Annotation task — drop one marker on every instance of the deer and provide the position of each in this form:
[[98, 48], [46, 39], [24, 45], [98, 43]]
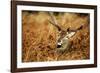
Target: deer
[[63, 42]]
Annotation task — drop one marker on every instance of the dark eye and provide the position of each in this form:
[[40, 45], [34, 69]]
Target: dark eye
[[58, 46]]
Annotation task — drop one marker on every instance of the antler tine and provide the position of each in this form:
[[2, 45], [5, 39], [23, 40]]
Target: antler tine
[[53, 18], [74, 30], [54, 21]]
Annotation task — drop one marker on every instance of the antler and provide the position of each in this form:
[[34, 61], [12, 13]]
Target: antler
[[54, 21]]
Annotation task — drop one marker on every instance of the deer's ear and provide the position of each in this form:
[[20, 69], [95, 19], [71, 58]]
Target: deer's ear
[[68, 29]]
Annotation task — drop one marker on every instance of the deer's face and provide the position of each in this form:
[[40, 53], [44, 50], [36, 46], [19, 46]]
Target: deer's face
[[64, 43]]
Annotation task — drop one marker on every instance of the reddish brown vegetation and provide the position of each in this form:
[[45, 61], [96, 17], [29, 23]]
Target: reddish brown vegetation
[[40, 37]]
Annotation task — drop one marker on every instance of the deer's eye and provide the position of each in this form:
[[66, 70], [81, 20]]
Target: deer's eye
[[58, 46]]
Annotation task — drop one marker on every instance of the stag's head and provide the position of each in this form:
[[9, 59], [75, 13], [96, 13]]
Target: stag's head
[[63, 42]]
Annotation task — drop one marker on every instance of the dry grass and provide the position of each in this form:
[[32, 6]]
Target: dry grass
[[40, 37]]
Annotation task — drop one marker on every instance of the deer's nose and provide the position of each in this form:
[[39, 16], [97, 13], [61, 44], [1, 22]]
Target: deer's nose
[[58, 46]]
